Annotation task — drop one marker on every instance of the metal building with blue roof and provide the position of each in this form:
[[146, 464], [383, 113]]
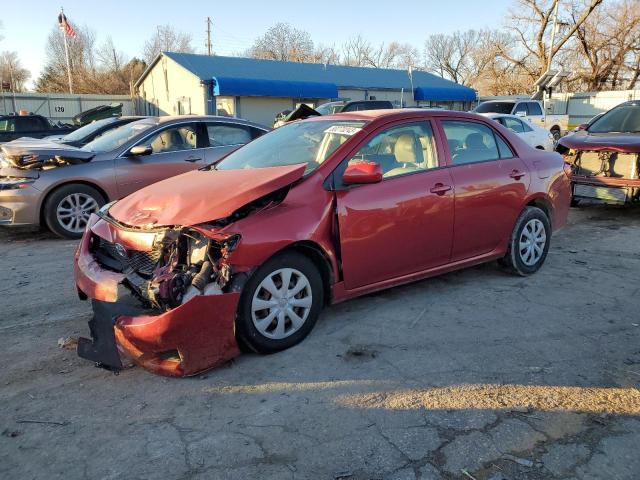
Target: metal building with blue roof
[[182, 83]]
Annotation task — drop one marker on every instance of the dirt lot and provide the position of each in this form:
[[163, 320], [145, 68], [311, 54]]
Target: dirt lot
[[476, 371]]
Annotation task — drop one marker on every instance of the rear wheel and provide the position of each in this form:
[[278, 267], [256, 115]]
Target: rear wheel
[[67, 209], [529, 242], [280, 303]]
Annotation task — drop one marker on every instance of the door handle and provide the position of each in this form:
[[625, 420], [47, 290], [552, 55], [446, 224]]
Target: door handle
[[192, 159], [517, 174], [440, 189]]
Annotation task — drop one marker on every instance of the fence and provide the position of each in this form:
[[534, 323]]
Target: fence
[[61, 107]]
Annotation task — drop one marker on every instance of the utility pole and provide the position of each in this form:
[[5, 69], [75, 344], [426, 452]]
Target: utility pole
[[209, 22], [553, 34]]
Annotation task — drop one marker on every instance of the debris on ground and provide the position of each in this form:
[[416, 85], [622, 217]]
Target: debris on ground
[[520, 461], [68, 343]]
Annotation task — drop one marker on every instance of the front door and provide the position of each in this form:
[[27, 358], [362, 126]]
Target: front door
[[490, 184], [174, 150], [403, 224]]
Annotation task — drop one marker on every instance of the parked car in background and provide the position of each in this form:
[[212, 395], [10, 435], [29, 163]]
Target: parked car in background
[[584, 126], [89, 132], [531, 110], [605, 156], [97, 113], [534, 135], [61, 186], [317, 211], [34, 126], [330, 108]]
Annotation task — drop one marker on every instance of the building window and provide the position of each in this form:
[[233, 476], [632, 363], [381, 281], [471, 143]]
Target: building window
[[226, 106]]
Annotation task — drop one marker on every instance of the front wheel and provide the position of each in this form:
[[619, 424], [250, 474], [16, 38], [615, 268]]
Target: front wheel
[[280, 303], [529, 242], [67, 210]]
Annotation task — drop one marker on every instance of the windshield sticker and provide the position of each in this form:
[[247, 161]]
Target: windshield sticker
[[343, 130]]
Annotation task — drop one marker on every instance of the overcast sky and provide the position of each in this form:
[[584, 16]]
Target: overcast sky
[[26, 23]]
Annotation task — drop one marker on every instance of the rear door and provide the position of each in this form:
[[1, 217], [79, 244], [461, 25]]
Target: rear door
[[176, 149], [490, 187], [403, 224]]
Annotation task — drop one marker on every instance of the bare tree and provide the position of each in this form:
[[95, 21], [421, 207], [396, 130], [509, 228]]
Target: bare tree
[[11, 71], [531, 22], [166, 39], [356, 52], [608, 48], [284, 43]]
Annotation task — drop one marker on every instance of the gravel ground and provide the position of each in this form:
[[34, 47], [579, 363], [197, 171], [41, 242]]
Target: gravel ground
[[474, 374]]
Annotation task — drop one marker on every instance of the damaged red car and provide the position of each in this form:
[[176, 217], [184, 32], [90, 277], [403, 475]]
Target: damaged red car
[[605, 157], [247, 252]]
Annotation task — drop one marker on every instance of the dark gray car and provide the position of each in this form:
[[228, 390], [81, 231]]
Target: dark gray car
[[60, 186]]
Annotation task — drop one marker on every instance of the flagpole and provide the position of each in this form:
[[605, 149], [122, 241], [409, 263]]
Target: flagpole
[[66, 53]]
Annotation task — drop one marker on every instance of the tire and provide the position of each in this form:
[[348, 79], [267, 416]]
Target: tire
[[528, 259], [58, 211], [556, 135], [253, 326]]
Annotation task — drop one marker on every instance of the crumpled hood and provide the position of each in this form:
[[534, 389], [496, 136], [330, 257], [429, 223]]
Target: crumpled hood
[[201, 195], [618, 142], [40, 151]]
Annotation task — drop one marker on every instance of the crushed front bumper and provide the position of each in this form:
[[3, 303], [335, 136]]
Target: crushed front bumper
[[186, 340]]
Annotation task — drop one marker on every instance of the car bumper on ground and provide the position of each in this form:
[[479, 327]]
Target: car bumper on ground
[[186, 340], [20, 206]]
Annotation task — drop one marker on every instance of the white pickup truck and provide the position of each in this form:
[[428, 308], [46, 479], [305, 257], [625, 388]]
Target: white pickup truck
[[531, 110]]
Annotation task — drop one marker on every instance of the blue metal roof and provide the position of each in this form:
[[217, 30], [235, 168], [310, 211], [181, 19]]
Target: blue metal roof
[[253, 87], [209, 67], [459, 93]]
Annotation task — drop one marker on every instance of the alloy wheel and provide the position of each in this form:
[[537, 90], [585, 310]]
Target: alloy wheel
[[532, 241], [74, 210], [281, 303]]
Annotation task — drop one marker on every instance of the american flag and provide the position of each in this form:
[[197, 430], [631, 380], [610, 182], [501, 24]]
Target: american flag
[[65, 26]]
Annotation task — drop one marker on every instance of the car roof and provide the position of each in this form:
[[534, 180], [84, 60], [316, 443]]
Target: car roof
[[389, 115], [176, 118]]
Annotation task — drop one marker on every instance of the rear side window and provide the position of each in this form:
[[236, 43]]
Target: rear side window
[[470, 142], [221, 135], [8, 125], [29, 124], [534, 108], [513, 124], [504, 149]]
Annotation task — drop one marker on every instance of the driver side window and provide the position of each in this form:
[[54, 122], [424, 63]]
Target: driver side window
[[401, 150], [174, 139]]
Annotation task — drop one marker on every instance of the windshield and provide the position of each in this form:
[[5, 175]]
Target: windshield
[[495, 107], [624, 119], [83, 132], [118, 137], [300, 142]]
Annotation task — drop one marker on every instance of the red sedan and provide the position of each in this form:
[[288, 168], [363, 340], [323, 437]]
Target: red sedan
[[247, 252]]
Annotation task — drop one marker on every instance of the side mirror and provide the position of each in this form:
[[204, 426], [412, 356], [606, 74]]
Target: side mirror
[[583, 126], [140, 150], [361, 173]]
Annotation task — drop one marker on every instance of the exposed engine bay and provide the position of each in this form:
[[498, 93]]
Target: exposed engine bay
[[605, 165], [42, 157], [183, 263]]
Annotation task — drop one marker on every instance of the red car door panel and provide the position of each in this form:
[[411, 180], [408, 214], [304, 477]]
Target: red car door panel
[[403, 224], [490, 188], [395, 228]]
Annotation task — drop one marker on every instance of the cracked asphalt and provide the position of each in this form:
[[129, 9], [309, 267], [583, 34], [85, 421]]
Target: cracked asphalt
[[472, 375]]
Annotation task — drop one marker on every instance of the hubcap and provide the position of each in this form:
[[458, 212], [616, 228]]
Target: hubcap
[[532, 241], [281, 303], [74, 210]]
